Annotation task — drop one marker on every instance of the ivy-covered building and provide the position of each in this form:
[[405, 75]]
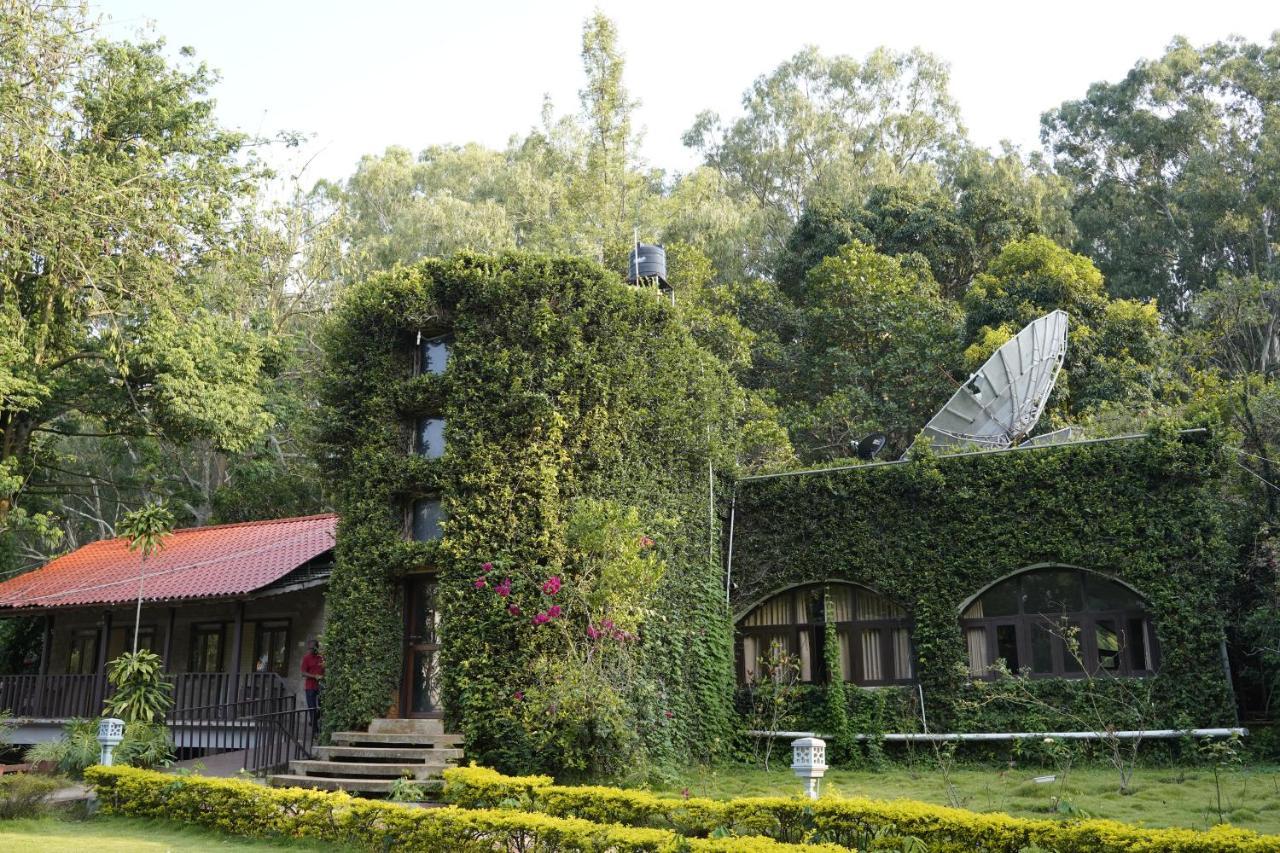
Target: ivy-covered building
[[471, 404]]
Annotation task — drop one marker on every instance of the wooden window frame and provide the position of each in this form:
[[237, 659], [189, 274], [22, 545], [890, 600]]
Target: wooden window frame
[[261, 627], [1085, 620], [408, 517], [206, 629], [94, 637], [817, 631]]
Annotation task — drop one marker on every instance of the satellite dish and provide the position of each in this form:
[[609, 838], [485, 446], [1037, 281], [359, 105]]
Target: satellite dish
[[871, 445], [999, 405]]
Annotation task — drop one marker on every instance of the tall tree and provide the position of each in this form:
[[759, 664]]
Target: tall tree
[[823, 129], [117, 190], [1176, 170]]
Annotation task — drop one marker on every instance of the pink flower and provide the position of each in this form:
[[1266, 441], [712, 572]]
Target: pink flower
[[514, 610], [668, 714], [486, 567], [592, 632], [480, 583], [541, 619], [518, 696], [553, 612], [552, 586], [646, 542], [503, 589], [606, 625]]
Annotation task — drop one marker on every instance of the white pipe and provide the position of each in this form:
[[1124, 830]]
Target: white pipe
[[917, 737]]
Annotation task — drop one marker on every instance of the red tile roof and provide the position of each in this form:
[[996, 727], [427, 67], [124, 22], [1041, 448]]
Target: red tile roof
[[196, 562]]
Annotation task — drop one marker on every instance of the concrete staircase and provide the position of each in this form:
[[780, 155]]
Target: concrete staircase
[[371, 762]]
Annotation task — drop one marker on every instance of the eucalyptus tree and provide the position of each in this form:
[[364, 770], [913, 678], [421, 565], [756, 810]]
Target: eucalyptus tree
[[821, 129], [1175, 169]]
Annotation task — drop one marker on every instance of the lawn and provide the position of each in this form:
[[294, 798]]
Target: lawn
[[1161, 796], [127, 835]]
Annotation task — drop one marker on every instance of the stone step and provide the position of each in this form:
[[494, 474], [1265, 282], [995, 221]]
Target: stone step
[[367, 785], [353, 768], [412, 740], [389, 753], [407, 727]]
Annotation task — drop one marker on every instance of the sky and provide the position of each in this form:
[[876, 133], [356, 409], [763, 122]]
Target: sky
[[360, 76]]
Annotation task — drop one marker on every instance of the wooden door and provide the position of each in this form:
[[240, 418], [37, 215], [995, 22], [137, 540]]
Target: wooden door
[[420, 685]]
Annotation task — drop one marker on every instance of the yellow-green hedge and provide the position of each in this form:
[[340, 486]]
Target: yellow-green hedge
[[237, 807], [849, 822]]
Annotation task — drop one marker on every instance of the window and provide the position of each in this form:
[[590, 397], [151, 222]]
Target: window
[[874, 634], [428, 437], [206, 648], [271, 647], [83, 659], [424, 520], [122, 640], [1059, 621], [432, 356]]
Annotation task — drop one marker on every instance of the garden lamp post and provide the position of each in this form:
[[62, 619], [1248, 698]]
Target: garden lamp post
[[809, 762], [110, 733]]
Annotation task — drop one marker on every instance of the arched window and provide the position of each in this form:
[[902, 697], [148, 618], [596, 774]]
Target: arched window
[[873, 632], [1059, 621]]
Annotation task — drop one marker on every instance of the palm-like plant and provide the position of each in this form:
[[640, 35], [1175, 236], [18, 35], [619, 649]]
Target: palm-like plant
[[145, 528], [142, 695]]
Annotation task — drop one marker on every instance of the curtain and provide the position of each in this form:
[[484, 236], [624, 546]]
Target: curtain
[[976, 640]]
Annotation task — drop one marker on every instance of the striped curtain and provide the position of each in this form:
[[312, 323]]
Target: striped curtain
[[976, 640]]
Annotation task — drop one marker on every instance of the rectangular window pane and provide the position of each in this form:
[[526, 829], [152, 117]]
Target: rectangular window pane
[[1137, 642], [433, 356], [427, 515], [1041, 649], [1007, 646], [430, 437], [902, 668], [871, 656], [1108, 642]]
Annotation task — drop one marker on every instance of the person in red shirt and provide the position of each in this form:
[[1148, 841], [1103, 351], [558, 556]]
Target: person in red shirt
[[313, 669]]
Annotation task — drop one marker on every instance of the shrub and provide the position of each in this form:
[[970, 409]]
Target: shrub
[[855, 823], [144, 745], [25, 794], [142, 694], [243, 808]]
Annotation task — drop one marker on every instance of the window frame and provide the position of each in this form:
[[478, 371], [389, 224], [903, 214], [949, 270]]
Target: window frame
[[93, 636], [855, 628], [1025, 624], [445, 340], [409, 515], [200, 630], [262, 627]]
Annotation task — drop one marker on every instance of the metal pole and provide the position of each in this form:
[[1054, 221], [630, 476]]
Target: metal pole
[[728, 572]]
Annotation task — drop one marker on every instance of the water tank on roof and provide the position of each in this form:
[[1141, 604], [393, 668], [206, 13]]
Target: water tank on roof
[[647, 263]]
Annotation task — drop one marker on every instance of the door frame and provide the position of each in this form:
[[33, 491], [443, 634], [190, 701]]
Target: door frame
[[409, 647]]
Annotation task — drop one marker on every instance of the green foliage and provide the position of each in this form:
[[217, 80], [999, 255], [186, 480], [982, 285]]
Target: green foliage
[[119, 187], [145, 745], [142, 694], [1116, 347], [937, 530], [146, 528], [243, 808], [25, 795], [579, 415], [1156, 160], [875, 340], [852, 822]]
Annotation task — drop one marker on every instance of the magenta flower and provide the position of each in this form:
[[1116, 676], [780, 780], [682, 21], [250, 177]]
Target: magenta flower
[[552, 586], [481, 583], [553, 612], [486, 567], [668, 714], [541, 619], [514, 610], [518, 696], [503, 589], [592, 632]]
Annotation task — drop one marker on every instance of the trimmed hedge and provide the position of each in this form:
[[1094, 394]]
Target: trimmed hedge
[[850, 822], [236, 807]]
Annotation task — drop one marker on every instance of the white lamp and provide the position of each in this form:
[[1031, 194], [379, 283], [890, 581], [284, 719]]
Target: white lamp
[[809, 762], [110, 733]]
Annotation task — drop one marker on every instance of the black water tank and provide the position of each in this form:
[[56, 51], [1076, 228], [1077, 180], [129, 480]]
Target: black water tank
[[647, 261]]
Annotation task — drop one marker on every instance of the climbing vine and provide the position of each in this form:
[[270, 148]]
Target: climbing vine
[[563, 386], [934, 531]]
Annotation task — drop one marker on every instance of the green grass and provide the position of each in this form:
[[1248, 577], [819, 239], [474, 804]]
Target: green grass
[[1161, 796], [127, 835]]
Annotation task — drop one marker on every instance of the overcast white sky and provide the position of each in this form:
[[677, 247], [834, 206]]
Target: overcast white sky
[[364, 75]]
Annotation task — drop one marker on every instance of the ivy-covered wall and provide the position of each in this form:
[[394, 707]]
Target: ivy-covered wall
[[562, 383], [934, 531]]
